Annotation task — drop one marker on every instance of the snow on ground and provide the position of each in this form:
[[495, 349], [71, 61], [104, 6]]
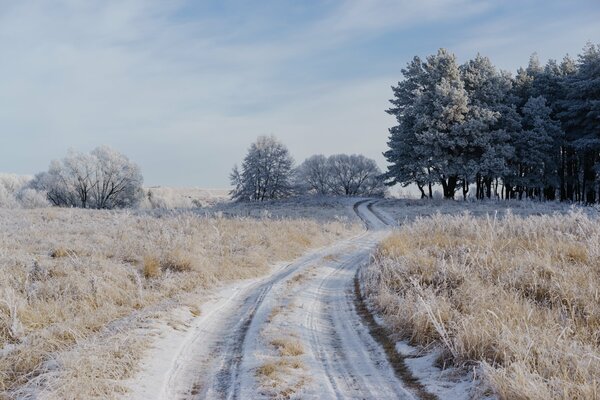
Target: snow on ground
[[165, 370]]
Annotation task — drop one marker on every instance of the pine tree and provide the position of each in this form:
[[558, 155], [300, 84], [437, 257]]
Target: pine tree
[[410, 161], [581, 120], [536, 134], [536, 150], [492, 116]]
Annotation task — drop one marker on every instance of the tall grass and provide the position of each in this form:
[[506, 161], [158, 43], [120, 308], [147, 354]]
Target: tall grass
[[74, 283], [517, 297]]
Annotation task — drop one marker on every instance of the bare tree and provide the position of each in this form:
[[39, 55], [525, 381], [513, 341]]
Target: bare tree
[[102, 179], [355, 175], [266, 172], [341, 174], [313, 175]]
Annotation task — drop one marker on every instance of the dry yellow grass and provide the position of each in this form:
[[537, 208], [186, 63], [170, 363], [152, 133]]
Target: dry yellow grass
[[151, 268], [59, 252], [279, 379], [519, 297], [268, 370], [288, 347], [67, 317]]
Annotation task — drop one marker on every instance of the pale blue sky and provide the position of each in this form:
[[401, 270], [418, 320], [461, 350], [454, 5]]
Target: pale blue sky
[[183, 87]]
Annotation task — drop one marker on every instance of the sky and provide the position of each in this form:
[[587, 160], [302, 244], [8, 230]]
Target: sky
[[183, 87]]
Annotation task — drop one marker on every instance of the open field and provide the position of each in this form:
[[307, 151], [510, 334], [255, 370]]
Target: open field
[[320, 208], [102, 304], [189, 197], [77, 286], [514, 298]]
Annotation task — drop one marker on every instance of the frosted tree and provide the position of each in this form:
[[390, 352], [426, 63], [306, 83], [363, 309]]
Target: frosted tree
[[354, 175], [536, 148], [491, 125], [535, 135], [430, 105], [313, 175], [117, 182], [266, 172], [102, 179], [525, 82], [410, 161], [581, 119], [341, 175]]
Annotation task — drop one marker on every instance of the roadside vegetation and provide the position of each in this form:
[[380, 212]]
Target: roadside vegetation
[[77, 285], [516, 298]]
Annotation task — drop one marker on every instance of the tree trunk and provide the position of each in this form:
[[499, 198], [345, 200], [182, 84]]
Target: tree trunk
[[562, 172], [488, 187], [423, 195], [450, 187]]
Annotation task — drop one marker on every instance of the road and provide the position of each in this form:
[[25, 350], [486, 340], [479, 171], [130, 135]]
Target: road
[[239, 349]]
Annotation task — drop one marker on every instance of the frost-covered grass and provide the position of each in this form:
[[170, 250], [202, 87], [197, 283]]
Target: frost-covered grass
[[321, 208], [519, 297], [180, 198], [76, 286], [406, 210]]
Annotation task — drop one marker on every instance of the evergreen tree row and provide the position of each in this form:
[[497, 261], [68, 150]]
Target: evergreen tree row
[[474, 127]]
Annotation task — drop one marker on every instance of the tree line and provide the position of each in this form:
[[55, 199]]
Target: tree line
[[473, 127], [267, 172], [107, 179]]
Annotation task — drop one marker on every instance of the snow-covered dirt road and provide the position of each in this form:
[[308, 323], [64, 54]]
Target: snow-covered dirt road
[[294, 334]]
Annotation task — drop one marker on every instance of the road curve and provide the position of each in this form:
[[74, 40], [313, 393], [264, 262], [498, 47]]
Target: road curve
[[311, 300]]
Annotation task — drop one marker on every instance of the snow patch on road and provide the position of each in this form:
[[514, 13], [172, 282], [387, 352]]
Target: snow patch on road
[[169, 369]]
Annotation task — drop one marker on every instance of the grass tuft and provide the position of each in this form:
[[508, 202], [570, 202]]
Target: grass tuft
[[151, 267], [288, 347], [60, 252]]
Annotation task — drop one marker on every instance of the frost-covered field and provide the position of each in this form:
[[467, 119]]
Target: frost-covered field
[[406, 210], [77, 287], [84, 294], [321, 208], [187, 197], [515, 298]]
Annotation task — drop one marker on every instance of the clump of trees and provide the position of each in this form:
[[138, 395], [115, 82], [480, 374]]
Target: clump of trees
[[267, 173], [533, 135], [16, 193], [102, 179], [341, 175]]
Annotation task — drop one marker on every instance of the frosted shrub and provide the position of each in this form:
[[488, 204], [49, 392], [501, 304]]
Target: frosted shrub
[[7, 199], [31, 198]]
